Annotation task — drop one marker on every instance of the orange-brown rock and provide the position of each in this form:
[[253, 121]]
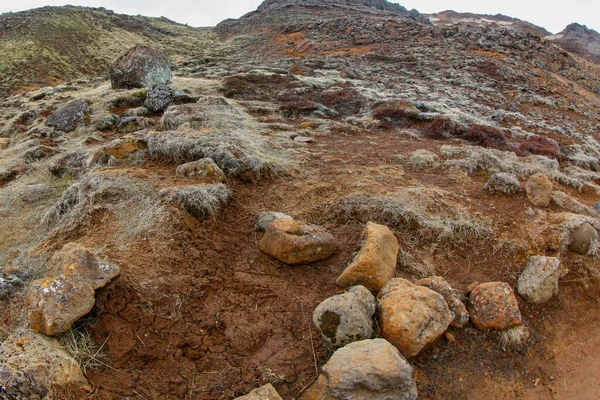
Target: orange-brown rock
[[4, 142], [411, 317], [494, 306], [204, 169], [319, 390], [295, 242], [539, 190], [119, 149], [78, 264], [375, 264], [55, 303], [266, 392]]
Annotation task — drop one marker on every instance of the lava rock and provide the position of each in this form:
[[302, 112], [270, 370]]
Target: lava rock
[[66, 294], [39, 152], [204, 169], [411, 317], [539, 281], [456, 306], [375, 264], [582, 237], [140, 67], [265, 219], [539, 190], [71, 163], [295, 242], [9, 284], [119, 149], [32, 365], [346, 317], [494, 306], [69, 116], [266, 392], [502, 182], [370, 369], [161, 96], [107, 122]]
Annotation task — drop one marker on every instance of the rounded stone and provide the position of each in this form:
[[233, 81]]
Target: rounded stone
[[582, 237]]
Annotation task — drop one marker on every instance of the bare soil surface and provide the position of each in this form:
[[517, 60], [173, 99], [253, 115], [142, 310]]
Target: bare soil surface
[[200, 313]]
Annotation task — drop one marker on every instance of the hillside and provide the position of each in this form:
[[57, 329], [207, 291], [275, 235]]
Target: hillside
[[48, 45], [579, 39], [326, 199]]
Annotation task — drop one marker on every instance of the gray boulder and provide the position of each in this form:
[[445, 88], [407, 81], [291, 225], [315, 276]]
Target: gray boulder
[[9, 284], [265, 219], [69, 116], [539, 281], [161, 96], [346, 317], [140, 67]]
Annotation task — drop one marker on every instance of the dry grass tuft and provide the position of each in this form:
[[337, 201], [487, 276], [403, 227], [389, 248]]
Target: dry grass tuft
[[425, 212], [201, 202], [514, 337], [81, 346]]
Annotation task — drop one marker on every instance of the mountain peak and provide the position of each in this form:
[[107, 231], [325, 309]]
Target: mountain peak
[[381, 5]]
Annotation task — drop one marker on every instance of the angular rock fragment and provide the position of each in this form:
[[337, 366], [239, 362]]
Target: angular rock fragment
[[411, 317], [456, 306], [346, 317], [375, 264], [140, 67], [266, 392], [69, 116], [33, 365], [494, 306], [67, 292], [539, 190], [539, 281], [295, 242]]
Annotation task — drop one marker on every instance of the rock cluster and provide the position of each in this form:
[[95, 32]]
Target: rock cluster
[[67, 292]]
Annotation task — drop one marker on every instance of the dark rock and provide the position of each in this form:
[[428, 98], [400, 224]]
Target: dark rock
[[68, 117], [107, 122], [140, 67], [9, 284]]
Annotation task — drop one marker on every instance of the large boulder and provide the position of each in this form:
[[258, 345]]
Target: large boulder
[[295, 242], [411, 317], [67, 118], [346, 317], [493, 305], [266, 392], [581, 238], [32, 366], [375, 264], [539, 281], [539, 190], [140, 67], [370, 369], [67, 292], [456, 306]]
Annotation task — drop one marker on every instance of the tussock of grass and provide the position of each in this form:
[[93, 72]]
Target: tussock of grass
[[82, 347], [423, 211], [201, 202], [133, 200], [513, 337]]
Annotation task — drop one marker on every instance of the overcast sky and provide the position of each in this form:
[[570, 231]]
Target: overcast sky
[[552, 15]]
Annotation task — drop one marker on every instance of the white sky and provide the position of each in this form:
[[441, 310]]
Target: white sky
[[552, 15]]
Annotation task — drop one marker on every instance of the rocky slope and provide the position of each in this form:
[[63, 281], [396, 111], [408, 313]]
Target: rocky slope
[[450, 17], [200, 237], [579, 39], [51, 44]]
